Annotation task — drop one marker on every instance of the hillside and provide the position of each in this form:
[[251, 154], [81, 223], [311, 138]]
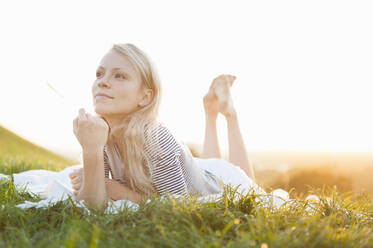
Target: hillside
[[18, 154]]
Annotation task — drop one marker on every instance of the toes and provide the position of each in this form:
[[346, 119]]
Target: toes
[[232, 81], [221, 86]]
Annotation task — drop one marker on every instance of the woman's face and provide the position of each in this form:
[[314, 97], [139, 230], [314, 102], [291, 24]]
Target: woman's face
[[119, 79]]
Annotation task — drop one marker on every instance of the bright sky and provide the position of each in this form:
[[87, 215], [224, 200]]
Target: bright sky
[[304, 68]]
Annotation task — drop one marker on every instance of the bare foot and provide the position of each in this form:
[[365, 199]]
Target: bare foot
[[221, 86], [211, 104]]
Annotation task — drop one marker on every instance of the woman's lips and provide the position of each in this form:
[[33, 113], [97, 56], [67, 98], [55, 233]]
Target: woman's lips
[[102, 97]]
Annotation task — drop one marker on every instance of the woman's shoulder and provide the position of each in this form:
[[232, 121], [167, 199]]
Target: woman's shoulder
[[160, 140], [157, 131]]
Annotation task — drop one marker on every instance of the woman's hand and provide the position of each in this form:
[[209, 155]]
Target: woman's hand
[[117, 191], [76, 178], [114, 189], [90, 131]]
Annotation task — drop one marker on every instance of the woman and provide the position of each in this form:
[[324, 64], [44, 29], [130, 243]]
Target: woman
[[127, 141]]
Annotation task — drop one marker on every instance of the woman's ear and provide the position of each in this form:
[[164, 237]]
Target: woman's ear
[[147, 97]]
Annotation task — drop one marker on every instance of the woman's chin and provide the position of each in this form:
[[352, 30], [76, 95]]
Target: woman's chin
[[101, 110]]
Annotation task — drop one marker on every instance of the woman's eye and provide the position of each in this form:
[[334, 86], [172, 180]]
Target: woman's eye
[[120, 75], [98, 74]]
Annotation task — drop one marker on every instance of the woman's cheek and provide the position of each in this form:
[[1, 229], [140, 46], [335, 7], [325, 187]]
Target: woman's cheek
[[126, 105]]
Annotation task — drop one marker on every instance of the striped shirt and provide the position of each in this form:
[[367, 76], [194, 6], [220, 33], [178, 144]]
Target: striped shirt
[[174, 169]]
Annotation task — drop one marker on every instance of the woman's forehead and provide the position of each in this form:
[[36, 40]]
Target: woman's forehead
[[113, 60]]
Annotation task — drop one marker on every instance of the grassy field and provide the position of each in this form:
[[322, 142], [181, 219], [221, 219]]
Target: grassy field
[[18, 154], [338, 220]]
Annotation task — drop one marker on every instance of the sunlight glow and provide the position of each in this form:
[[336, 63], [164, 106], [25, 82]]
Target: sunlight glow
[[304, 69]]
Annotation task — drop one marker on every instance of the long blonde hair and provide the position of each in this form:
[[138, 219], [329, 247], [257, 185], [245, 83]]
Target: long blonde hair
[[139, 127]]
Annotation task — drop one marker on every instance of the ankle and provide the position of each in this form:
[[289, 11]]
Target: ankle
[[211, 117], [231, 116]]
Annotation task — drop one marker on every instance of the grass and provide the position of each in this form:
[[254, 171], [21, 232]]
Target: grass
[[232, 221], [337, 220], [18, 154]]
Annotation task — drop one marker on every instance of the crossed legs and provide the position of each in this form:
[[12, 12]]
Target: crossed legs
[[219, 99]]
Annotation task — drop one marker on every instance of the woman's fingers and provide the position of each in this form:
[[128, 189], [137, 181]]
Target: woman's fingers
[[82, 114], [75, 124], [77, 186], [75, 172], [76, 179]]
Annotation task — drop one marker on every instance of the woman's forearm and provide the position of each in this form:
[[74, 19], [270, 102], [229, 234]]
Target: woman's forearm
[[117, 191], [93, 187]]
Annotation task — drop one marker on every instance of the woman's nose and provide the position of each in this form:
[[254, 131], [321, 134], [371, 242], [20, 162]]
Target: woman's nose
[[103, 84]]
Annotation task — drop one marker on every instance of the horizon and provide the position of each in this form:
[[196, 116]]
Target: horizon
[[278, 160]]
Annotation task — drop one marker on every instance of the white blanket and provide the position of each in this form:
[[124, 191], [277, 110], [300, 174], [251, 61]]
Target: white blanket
[[55, 186]]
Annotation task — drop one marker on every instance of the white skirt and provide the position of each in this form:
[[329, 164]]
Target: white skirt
[[229, 174]]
